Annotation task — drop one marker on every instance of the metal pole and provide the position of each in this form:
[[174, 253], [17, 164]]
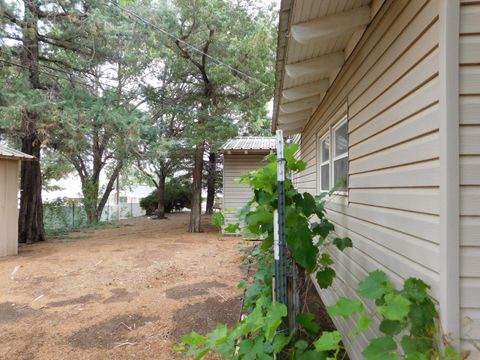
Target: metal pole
[[280, 247], [118, 197]]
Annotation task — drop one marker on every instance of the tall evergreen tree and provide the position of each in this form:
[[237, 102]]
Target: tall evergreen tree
[[33, 32], [236, 88]]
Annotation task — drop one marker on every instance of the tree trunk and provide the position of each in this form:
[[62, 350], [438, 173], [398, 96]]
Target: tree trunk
[[161, 198], [196, 212], [90, 199], [211, 182], [108, 189], [30, 221]]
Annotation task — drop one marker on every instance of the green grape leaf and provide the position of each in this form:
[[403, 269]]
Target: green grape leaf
[[242, 284], [306, 203], [253, 349], [342, 243], [363, 322], [392, 327], [218, 336], [280, 342], [322, 229], [325, 260], [267, 242], [374, 285], [416, 356], [451, 354], [415, 289], [299, 240], [293, 164], [232, 228], [301, 345], [345, 307], [412, 345], [194, 338], [396, 307], [275, 313], [312, 355], [422, 316], [259, 217], [307, 321], [329, 340], [325, 277], [382, 348]]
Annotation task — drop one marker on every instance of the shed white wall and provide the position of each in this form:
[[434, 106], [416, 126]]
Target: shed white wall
[[8, 207], [389, 88], [236, 195], [470, 172]]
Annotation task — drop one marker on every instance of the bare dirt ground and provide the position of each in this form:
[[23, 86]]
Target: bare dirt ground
[[128, 292]]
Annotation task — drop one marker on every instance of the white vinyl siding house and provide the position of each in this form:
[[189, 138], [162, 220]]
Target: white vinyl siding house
[[470, 170], [240, 156], [394, 88]]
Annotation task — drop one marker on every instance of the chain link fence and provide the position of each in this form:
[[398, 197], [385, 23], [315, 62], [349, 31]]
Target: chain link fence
[[69, 215]]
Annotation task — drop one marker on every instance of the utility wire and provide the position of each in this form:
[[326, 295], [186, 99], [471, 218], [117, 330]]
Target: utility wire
[[43, 72], [155, 26], [51, 74]]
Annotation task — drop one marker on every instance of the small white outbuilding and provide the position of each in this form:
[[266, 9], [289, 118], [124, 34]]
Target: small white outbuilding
[[9, 183], [241, 155]]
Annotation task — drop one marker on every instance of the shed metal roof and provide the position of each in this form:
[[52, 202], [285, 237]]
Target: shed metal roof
[[8, 153], [254, 143]]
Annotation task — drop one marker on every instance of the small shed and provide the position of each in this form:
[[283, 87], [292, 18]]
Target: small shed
[[241, 155], [9, 172]]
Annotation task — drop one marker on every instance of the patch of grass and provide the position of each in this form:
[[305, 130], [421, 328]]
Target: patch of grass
[[68, 233]]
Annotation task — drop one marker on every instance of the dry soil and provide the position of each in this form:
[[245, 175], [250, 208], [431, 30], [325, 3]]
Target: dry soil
[[127, 292]]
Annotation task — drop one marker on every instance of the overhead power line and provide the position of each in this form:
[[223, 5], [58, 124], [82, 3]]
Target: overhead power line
[[43, 72], [194, 48]]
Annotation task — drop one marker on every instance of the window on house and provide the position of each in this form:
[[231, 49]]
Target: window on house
[[325, 163], [334, 157], [340, 155]]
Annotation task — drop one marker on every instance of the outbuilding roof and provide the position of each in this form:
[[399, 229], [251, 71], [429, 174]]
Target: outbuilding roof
[[253, 143], [8, 153]]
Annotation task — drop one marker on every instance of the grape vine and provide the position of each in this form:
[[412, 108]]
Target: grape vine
[[407, 318]]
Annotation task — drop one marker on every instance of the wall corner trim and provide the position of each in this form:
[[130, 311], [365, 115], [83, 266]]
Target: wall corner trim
[[449, 227]]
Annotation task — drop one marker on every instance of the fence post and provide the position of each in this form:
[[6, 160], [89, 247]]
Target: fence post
[[280, 248], [73, 215]]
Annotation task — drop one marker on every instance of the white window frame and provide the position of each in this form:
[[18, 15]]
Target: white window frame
[[327, 162], [330, 133], [334, 158]]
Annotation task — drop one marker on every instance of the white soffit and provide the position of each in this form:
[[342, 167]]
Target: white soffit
[[331, 26], [317, 38], [284, 118], [298, 92], [299, 105], [323, 64]]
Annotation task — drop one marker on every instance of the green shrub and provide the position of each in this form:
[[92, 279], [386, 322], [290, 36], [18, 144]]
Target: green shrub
[[177, 196]]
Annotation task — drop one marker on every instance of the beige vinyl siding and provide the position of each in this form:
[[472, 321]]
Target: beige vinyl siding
[[389, 90], [237, 195], [8, 207], [470, 173]]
